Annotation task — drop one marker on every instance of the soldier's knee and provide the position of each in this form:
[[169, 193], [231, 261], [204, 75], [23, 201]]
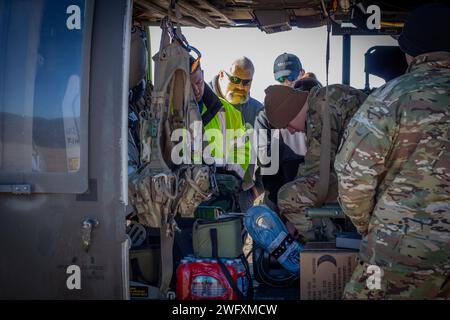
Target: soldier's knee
[[285, 192], [295, 192], [285, 198]]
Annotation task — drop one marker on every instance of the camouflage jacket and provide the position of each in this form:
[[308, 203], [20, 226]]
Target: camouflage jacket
[[343, 102], [394, 166]]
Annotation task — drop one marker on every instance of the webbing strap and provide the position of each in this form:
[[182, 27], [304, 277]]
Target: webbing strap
[[165, 38], [249, 277], [223, 267], [325, 141], [167, 240]]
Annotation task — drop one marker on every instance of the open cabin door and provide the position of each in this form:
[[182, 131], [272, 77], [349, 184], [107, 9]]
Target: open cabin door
[[63, 148]]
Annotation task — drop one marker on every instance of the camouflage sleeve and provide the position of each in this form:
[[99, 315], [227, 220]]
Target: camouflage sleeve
[[361, 159], [342, 101]]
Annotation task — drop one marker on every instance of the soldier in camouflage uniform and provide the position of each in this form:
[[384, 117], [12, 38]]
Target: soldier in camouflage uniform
[[394, 171], [294, 197]]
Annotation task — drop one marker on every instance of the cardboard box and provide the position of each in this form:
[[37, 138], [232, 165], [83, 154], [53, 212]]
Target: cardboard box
[[325, 270]]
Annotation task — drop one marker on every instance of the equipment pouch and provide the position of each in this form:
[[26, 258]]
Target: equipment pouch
[[194, 189], [229, 238]]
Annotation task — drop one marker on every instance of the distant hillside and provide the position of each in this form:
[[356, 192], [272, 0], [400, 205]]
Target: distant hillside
[[47, 133]]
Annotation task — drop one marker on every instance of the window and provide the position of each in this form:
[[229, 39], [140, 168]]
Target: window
[[43, 93], [359, 46]]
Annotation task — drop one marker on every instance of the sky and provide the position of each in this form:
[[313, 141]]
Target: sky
[[219, 47]]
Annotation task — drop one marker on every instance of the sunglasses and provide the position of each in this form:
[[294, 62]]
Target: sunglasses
[[283, 78], [237, 80]]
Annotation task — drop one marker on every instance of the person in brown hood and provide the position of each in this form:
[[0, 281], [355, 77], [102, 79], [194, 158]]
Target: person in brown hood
[[300, 111], [292, 149]]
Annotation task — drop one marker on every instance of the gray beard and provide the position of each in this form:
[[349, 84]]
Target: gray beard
[[244, 100]]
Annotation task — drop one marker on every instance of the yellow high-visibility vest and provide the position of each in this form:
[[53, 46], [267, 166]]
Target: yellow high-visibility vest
[[219, 135]]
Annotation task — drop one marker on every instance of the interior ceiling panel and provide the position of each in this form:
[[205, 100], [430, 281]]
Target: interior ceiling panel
[[238, 13]]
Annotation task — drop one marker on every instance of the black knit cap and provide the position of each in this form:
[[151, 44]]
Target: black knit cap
[[427, 29]]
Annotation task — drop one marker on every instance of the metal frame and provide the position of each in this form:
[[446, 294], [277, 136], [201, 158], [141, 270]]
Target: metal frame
[[346, 51]]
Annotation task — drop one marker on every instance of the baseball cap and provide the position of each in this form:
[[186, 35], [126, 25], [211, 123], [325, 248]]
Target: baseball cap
[[287, 65]]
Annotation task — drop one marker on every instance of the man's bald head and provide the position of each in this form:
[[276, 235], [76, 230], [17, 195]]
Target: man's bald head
[[235, 83], [242, 64]]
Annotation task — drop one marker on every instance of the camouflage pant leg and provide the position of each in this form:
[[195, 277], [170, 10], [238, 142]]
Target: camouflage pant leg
[[293, 199], [296, 196], [398, 285]]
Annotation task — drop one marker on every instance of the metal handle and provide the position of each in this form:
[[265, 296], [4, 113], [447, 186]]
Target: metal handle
[[330, 211], [86, 229]]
